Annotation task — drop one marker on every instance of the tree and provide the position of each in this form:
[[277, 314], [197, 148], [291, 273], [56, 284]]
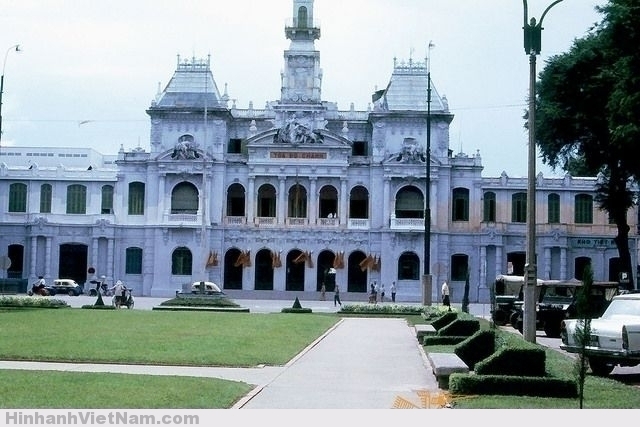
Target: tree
[[588, 113], [583, 330]]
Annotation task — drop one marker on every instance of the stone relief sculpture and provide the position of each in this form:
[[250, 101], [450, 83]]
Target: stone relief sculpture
[[184, 150], [410, 153], [296, 133]]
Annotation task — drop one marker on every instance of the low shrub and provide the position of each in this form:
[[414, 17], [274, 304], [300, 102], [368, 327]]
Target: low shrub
[[98, 307], [296, 308], [382, 309], [200, 301], [460, 327], [466, 384], [32, 302], [444, 319], [442, 340], [522, 361], [477, 347]]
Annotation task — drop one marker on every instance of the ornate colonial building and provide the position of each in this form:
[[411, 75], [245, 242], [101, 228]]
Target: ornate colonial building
[[290, 196]]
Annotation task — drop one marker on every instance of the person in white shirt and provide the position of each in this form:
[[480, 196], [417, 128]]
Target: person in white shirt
[[445, 295]]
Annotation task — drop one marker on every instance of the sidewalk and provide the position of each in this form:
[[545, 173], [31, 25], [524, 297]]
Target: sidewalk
[[361, 363]]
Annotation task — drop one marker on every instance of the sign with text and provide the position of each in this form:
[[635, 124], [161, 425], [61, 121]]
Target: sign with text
[[306, 155]]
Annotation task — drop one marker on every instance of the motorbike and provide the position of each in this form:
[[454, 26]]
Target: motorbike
[[104, 290], [126, 299], [38, 290]]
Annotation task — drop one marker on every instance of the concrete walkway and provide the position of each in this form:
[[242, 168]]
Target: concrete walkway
[[361, 363]]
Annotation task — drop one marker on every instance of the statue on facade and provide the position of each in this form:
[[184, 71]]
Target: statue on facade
[[410, 153], [295, 132], [184, 150]]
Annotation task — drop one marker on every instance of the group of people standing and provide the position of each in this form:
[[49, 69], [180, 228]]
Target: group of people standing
[[376, 290]]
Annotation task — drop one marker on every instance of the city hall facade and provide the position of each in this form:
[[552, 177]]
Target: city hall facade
[[293, 195]]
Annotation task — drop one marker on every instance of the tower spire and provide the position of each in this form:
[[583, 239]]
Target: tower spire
[[302, 76]]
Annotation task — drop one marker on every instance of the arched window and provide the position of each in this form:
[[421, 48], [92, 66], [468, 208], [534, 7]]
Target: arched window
[[235, 200], [18, 197], [553, 208], [76, 199], [409, 203], [297, 201], [408, 266], [328, 201], [184, 199], [302, 17], [45, 198], [519, 207], [267, 201], [489, 207], [181, 262], [107, 199], [581, 263], [136, 198], [359, 203], [584, 209], [459, 267], [460, 205]]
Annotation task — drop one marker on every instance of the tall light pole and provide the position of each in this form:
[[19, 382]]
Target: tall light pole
[[426, 280], [15, 47], [532, 47]]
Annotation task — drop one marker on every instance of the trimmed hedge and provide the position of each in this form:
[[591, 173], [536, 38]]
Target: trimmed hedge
[[477, 347], [442, 340], [444, 320], [529, 362], [512, 385], [460, 327]]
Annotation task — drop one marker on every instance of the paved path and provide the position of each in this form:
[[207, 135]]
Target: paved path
[[361, 364]]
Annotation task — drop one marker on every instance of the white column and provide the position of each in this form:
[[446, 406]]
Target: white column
[[34, 247], [282, 200], [312, 213], [563, 263], [47, 257], [344, 199], [250, 200], [386, 203], [161, 197]]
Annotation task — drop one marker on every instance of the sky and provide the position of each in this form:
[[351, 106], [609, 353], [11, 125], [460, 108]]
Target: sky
[[88, 70]]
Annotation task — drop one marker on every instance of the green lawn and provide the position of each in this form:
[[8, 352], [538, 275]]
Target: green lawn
[[137, 336], [171, 338]]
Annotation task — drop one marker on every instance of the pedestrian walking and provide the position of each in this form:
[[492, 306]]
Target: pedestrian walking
[[445, 295], [336, 296], [382, 292], [393, 291], [323, 291]]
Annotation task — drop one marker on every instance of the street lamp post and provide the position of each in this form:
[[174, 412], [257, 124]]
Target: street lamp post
[[532, 47], [15, 47], [427, 280]]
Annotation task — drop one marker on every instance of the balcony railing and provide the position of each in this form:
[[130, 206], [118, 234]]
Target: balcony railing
[[328, 222], [358, 223], [235, 220], [407, 223], [297, 222], [265, 221]]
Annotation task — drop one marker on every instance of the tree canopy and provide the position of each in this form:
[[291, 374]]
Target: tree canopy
[[588, 112]]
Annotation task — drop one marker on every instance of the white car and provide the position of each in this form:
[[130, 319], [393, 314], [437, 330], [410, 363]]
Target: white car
[[615, 336], [210, 288]]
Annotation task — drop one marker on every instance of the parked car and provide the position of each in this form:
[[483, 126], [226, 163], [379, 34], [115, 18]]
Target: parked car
[[64, 286], [210, 288], [556, 300], [614, 338]]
